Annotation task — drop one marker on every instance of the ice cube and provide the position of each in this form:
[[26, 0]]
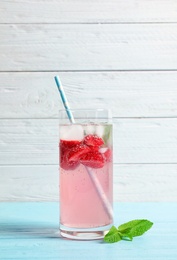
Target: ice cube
[[89, 129], [103, 149], [71, 132], [99, 130]]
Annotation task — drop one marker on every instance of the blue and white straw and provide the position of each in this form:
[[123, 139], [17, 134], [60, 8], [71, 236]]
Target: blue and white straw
[[64, 99]]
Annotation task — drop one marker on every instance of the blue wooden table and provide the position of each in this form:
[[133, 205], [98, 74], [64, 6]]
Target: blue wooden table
[[30, 231]]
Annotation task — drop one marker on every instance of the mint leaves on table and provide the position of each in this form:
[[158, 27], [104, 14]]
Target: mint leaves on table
[[128, 230]]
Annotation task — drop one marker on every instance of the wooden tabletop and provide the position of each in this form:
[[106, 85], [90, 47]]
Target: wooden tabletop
[[30, 231]]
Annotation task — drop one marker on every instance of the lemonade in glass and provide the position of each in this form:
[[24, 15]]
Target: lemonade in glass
[[86, 174]]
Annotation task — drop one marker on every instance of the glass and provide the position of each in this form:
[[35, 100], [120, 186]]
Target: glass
[[86, 174]]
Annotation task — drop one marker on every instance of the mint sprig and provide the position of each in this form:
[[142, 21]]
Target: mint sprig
[[128, 230], [107, 134]]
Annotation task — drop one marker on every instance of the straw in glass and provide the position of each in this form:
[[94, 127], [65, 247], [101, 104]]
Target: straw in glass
[[105, 202], [64, 99]]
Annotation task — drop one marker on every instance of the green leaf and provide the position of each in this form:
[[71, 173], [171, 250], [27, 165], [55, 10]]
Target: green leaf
[[128, 230], [135, 227], [107, 133], [112, 236]]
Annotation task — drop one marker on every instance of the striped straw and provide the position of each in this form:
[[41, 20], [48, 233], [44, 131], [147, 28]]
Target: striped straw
[[104, 200], [64, 99]]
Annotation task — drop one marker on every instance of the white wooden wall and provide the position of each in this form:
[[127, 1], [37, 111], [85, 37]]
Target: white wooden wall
[[120, 54]]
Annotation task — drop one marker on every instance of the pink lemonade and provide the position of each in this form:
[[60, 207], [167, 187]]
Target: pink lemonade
[[85, 148]]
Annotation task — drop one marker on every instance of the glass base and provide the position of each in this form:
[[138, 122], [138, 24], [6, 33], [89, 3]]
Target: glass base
[[84, 233]]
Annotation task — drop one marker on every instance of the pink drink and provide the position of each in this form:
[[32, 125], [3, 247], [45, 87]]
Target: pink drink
[[82, 209], [80, 204]]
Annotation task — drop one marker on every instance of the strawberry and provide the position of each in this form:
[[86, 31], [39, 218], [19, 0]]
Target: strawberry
[[65, 147], [93, 140], [68, 144], [93, 159], [66, 165], [76, 152]]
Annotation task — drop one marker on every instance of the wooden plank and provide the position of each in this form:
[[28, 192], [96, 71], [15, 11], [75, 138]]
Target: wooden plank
[[88, 47], [29, 141], [30, 231], [94, 11], [128, 94], [132, 183], [29, 183], [33, 141]]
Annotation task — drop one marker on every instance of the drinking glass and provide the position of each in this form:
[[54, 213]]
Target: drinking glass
[[86, 173]]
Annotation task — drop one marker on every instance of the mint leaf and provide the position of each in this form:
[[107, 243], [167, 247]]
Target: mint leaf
[[128, 230], [107, 133], [112, 236], [136, 227]]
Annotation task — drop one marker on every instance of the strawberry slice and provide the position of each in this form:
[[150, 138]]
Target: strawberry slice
[[71, 158], [93, 140], [65, 147], [68, 144], [76, 152], [93, 159], [68, 165]]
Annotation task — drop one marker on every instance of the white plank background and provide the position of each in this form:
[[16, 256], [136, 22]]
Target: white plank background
[[128, 94], [48, 47], [92, 11], [122, 54]]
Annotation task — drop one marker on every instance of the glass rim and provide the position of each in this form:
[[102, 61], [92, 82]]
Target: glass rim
[[85, 113]]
